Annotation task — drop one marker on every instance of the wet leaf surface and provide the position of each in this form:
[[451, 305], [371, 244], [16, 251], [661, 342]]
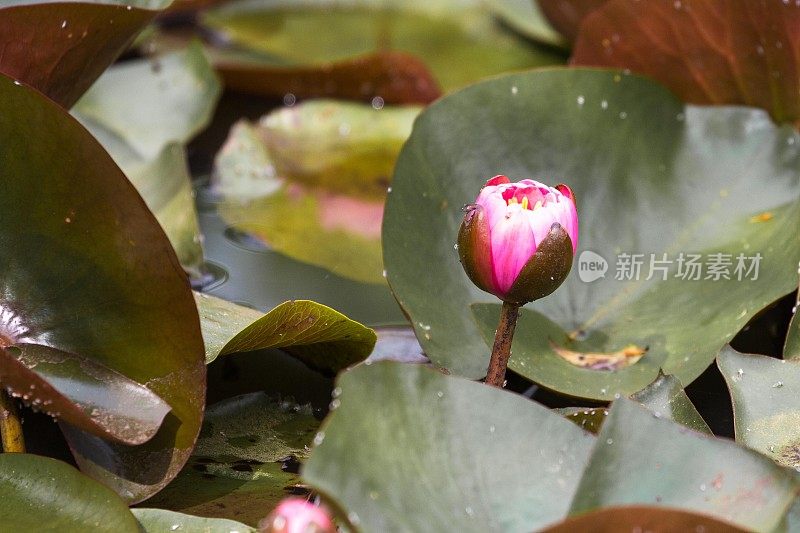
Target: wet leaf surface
[[42, 494], [407, 437], [161, 521], [73, 42], [91, 272], [458, 41], [88, 395], [687, 46], [766, 406], [691, 180], [666, 399], [247, 459], [642, 518], [643, 460], [310, 182], [143, 112], [321, 337]]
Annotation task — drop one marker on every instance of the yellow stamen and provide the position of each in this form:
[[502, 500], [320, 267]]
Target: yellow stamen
[[513, 201], [538, 205], [524, 202]]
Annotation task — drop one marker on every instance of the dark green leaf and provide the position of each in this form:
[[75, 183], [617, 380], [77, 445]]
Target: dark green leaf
[[651, 176], [666, 398], [322, 338], [60, 48], [246, 459], [408, 445], [161, 521], [81, 391], [588, 418], [459, 41], [42, 494], [640, 459], [86, 269]]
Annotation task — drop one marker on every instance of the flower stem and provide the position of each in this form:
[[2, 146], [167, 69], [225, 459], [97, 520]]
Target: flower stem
[[10, 425], [501, 350]]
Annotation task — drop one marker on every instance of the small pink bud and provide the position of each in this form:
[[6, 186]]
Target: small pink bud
[[296, 515], [517, 240]]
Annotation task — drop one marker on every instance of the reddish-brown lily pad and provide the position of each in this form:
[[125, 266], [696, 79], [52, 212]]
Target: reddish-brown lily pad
[[61, 48], [86, 269], [707, 52], [84, 393]]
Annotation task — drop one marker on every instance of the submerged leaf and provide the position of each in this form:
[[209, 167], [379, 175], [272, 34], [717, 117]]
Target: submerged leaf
[[143, 112], [458, 40], [85, 393], [642, 518], [246, 459], [321, 337], [310, 182]]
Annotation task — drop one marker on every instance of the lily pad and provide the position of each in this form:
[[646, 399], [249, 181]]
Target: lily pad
[[142, 112], [310, 182], [463, 456], [82, 392], [765, 403], [90, 272], [322, 338], [687, 46], [73, 42], [642, 518], [643, 460], [458, 40], [42, 494], [246, 459], [691, 179], [566, 15], [666, 398], [161, 521]]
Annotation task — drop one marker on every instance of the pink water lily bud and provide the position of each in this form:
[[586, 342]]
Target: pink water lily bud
[[517, 240], [296, 515]]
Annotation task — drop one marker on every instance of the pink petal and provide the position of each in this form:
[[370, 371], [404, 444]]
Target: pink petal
[[497, 180], [513, 243]]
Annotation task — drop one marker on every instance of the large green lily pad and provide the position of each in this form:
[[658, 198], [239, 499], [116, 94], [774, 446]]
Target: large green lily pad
[[310, 182], [458, 40], [463, 456], [82, 392], [72, 42], [246, 459], [161, 521], [143, 112], [42, 494], [91, 272], [643, 460], [651, 176], [765, 404], [321, 337]]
